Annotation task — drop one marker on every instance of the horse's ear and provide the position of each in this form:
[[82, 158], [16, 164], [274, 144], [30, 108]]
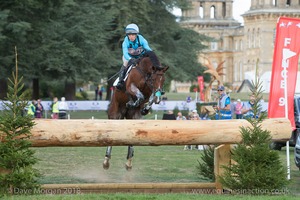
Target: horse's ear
[[165, 68]]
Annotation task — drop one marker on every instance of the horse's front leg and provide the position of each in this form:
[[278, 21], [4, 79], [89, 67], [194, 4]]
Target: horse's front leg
[[139, 95], [107, 157], [148, 105], [128, 164]]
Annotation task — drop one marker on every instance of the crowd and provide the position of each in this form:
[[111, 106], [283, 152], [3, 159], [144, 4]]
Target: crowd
[[58, 109], [225, 109]]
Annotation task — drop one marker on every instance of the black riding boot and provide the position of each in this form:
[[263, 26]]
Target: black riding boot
[[120, 85]]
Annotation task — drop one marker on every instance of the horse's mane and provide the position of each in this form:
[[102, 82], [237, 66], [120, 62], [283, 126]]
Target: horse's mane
[[153, 58]]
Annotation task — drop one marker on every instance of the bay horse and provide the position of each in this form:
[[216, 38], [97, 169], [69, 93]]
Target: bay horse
[[144, 86]]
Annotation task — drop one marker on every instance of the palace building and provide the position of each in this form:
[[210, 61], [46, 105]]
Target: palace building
[[242, 47]]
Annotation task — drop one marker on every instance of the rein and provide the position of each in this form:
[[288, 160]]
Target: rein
[[148, 79]]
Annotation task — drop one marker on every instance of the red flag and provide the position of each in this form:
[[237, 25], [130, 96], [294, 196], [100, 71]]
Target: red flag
[[201, 87], [285, 67]]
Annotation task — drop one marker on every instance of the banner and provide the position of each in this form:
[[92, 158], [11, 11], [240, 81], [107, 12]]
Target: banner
[[284, 69], [201, 87]]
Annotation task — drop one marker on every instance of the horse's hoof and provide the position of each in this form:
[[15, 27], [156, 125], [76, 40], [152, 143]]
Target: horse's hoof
[[144, 111], [128, 168], [128, 164], [106, 163]]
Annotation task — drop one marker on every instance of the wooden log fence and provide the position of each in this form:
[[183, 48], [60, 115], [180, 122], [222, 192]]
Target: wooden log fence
[[47, 133]]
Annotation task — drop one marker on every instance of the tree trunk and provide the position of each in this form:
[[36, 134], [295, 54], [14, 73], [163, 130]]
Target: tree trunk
[[148, 132], [3, 88], [70, 90], [35, 88]]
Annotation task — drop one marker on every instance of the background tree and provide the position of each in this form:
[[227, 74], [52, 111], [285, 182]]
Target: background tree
[[74, 41]]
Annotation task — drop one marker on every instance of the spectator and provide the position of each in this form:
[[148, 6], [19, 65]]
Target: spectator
[[96, 93], [31, 109], [223, 107], [39, 109], [100, 94], [194, 115], [248, 108], [63, 108], [238, 109], [54, 108], [180, 116], [169, 116]]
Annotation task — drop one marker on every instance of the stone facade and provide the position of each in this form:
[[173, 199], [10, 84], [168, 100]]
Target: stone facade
[[243, 47]]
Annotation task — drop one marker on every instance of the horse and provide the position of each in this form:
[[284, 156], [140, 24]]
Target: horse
[[143, 87]]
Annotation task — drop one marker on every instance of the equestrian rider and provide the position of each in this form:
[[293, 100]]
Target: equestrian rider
[[133, 46]]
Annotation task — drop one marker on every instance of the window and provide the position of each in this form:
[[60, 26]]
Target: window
[[253, 38], [249, 38], [236, 72], [258, 37], [212, 12], [274, 2], [213, 45], [241, 45], [241, 71], [288, 2], [201, 14]]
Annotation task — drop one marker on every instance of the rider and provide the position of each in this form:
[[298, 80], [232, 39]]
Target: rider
[[133, 46]]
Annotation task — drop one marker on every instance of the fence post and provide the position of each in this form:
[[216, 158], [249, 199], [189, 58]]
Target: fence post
[[221, 157]]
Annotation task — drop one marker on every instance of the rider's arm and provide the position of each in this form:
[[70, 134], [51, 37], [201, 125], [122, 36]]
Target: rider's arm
[[125, 46], [144, 43]]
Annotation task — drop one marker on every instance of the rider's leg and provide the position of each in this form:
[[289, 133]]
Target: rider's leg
[[122, 73]]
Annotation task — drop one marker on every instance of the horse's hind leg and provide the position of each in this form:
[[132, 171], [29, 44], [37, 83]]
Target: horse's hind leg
[[107, 157], [128, 164]]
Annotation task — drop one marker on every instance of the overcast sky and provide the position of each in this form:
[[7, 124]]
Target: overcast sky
[[240, 7]]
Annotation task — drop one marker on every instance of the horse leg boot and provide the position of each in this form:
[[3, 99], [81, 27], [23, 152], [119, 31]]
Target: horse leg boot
[[128, 164], [120, 85], [107, 157]]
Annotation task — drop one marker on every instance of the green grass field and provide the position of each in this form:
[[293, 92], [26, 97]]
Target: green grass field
[[151, 164]]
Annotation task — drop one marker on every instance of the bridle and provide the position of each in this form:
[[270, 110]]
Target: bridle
[[149, 79]]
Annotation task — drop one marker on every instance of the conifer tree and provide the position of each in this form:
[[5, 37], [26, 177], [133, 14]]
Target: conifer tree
[[205, 167], [256, 169], [16, 156]]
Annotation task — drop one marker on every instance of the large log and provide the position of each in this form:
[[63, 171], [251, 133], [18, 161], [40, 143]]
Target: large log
[[147, 132]]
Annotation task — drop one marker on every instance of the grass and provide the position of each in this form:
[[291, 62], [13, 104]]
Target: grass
[[151, 164]]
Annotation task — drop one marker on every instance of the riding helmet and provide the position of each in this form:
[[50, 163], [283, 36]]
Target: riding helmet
[[132, 28]]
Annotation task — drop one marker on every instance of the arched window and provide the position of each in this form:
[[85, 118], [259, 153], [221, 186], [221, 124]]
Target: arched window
[[212, 12], [201, 12]]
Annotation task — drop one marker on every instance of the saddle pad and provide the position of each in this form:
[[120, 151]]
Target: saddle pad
[[117, 80]]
